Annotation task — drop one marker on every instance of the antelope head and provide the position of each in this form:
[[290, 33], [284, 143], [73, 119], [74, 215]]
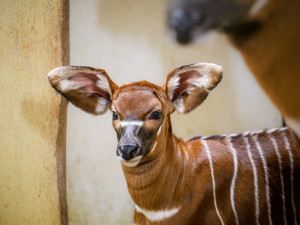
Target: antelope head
[[190, 19], [141, 110]]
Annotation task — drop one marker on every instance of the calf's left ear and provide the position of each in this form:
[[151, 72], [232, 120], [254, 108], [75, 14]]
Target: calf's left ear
[[87, 88], [188, 86]]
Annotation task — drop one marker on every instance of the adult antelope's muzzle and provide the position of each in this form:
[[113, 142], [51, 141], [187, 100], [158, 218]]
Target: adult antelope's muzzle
[[183, 22], [190, 19]]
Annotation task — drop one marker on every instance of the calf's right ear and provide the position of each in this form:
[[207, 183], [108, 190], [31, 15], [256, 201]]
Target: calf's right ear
[[87, 88]]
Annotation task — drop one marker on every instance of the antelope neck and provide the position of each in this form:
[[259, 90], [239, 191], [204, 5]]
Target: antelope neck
[[157, 176]]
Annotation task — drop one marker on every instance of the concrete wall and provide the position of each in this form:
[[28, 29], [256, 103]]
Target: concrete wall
[[128, 39], [33, 40]]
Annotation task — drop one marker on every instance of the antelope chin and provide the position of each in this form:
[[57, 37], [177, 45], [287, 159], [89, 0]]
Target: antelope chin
[[132, 162]]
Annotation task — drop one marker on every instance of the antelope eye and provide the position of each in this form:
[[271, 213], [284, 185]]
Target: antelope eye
[[115, 115], [155, 115]]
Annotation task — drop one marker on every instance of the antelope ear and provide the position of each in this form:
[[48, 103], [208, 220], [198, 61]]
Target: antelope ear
[[188, 86], [87, 88]]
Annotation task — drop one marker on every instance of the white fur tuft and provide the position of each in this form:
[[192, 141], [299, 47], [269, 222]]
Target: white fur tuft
[[179, 105], [66, 85], [101, 106], [172, 85], [103, 83]]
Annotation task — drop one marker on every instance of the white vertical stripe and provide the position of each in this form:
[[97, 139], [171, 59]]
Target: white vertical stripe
[[255, 180], [213, 179], [265, 166], [281, 178], [288, 147], [235, 161]]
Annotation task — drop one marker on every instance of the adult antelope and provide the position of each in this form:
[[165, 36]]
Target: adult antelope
[[248, 178], [266, 32]]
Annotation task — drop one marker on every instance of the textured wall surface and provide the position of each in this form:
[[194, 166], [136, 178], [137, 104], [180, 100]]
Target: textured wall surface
[[30, 112], [129, 40]]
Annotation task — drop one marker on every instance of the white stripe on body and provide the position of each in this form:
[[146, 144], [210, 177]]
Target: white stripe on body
[[265, 167], [255, 180], [157, 215], [213, 179], [233, 179], [281, 178], [288, 147]]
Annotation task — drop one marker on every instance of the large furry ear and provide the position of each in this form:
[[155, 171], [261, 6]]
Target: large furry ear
[[188, 86], [87, 88]]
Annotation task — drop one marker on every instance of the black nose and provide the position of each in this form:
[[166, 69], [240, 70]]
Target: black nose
[[128, 152], [183, 22]]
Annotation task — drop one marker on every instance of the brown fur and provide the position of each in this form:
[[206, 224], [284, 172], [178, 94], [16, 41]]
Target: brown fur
[[272, 54]]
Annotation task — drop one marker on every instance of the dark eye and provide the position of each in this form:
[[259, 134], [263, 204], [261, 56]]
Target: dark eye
[[155, 115], [115, 115]]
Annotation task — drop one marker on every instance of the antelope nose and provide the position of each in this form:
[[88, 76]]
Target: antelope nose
[[183, 22], [128, 152]]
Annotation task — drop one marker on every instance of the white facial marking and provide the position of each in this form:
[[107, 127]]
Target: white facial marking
[[131, 122], [294, 124], [213, 179], [257, 6], [255, 180], [288, 147], [132, 162], [235, 163], [157, 215], [265, 167], [281, 178]]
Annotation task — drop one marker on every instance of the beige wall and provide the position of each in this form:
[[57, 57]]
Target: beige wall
[[128, 40], [31, 44]]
